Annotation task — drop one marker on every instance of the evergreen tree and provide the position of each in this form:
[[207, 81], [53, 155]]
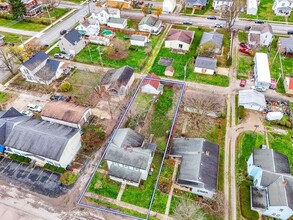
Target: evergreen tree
[[18, 8]]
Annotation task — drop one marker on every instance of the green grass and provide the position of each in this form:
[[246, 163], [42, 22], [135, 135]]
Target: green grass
[[55, 50], [3, 97], [244, 191], [14, 38], [242, 37], [244, 67], [291, 106], [208, 10], [22, 25], [75, 1], [236, 109], [102, 185], [56, 13]]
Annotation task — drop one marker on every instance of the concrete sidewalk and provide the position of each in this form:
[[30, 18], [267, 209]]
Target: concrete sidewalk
[[17, 31]]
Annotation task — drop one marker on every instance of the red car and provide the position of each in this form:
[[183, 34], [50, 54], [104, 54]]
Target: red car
[[243, 45], [242, 82], [245, 50]]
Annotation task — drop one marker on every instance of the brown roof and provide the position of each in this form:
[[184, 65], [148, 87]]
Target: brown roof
[[169, 68], [255, 38], [65, 111], [154, 83], [181, 35], [263, 28]]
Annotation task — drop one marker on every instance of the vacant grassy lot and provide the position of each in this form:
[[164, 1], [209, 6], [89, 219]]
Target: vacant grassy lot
[[56, 13], [14, 38], [245, 66], [3, 97], [21, 25], [208, 10], [242, 37]]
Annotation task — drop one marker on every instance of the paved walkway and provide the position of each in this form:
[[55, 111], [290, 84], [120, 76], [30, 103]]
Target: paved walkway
[[121, 191], [17, 31]]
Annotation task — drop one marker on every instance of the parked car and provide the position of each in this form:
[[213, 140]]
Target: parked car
[[246, 51], [63, 32], [219, 25], [259, 22], [290, 32], [212, 17], [273, 84], [59, 55], [34, 108], [244, 45], [242, 82], [188, 22], [68, 56], [27, 113], [57, 98]]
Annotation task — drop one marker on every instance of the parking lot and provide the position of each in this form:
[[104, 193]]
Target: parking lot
[[35, 179]]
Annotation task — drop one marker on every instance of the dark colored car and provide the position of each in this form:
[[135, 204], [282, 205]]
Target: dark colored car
[[63, 32], [259, 22], [242, 44], [242, 82], [57, 98], [290, 32], [247, 28], [212, 17], [188, 22]]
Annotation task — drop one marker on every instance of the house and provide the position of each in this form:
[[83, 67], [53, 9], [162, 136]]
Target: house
[[272, 190], [119, 23], [282, 7], [129, 157], [261, 70], [89, 27], [40, 69], [251, 7], [286, 46], [117, 81], [169, 6], [72, 42], [252, 99], [169, 71], [120, 4], [103, 14], [222, 4], [66, 113], [99, 40], [199, 165], [25, 136], [138, 40], [288, 85], [33, 7], [196, 4], [260, 35], [213, 38], [179, 39], [205, 65], [152, 85], [150, 24]]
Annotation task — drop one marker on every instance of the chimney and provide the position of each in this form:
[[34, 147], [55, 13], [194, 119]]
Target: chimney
[[285, 183], [207, 153]]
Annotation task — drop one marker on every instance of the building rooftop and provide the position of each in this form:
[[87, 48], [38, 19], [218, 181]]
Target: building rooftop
[[206, 62], [36, 60], [180, 35]]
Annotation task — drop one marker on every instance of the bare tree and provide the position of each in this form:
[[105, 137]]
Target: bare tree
[[145, 10], [217, 204], [231, 13], [207, 49], [118, 49], [188, 211], [33, 47], [7, 61]]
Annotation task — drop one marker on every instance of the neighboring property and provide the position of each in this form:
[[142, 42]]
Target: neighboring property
[[213, 38], [33, 7], [152, 85], [262, 76], [5, 7], [119, 23], [169, 71], [103, 14], [251, 99], [205, 65], [41, 69], [286, 46], [120, 4], [72, 42], [129, 157], [25, 136], [138, 40], [260, 35], [117, 81], [169, 6], [89, 27], [196, 4], [288, 85], [99, 40], [272, 190], [282, 7], [251, 7], [199, 165], [179, 39], [150, 24], [222, 4], [66, 113]]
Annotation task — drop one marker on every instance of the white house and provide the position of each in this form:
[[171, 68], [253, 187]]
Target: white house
[[169, 6], [119, 23], [129, 157], [288, 84], [89, 27], [205, 65], [179, 39], [251, 7], [260, 35], [138, 40], [66, 113], [72, 42], [103, 14], [99, 40], [198, 171], [282, 7], [272, 190], [152, 85], [222, 4], [41, 69], [150, 24], [252, 99], [261, 69]]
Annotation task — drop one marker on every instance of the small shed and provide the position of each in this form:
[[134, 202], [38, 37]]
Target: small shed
[[138, 40], [205, 65], [169, 71], [251, 8], [252, 99], [119, 23], [272, 116]]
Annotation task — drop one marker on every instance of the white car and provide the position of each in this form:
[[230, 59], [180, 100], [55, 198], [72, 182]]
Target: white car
[[219, 25], [34, 108], [27, 113]]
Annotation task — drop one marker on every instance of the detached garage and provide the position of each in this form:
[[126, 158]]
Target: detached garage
[[252, 99]]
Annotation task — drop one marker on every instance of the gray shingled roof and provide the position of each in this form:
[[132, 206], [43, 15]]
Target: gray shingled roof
[[149, 20], [206, 62], [268, 178], [124, 173], [258, 198], [286, 44], [277, 194], [138, 37], [36, 60], [213, 37], [73, 36], [289, 190], [200, 162], [49, 70], [180, 35], [40, 138], [196, 2], [262, 28], [117, 20]]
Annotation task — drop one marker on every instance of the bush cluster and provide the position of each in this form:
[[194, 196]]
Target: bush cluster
[[68, 178], [241, 112], [20, 158], [65, 87], [54, 168], [287, 124]]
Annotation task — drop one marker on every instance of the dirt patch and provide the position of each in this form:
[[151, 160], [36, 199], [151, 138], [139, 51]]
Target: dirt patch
[[164, 61]]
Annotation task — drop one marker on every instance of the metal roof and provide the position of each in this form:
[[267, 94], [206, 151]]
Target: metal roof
[[262, 67], [36, 60], [252, 97], [206, 62]]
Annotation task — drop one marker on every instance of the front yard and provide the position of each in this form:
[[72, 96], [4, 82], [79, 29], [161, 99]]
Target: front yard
[[208, 10], [22, 25], [14, 38]]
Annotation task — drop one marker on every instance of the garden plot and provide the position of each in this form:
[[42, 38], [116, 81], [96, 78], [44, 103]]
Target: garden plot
[[166, 61]]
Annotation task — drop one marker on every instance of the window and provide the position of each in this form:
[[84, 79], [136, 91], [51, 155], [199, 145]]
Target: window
[[278, 215], [180, 45], [273, 214], [281, 210]]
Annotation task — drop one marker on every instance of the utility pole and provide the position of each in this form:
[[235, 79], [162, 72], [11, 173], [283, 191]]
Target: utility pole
[[100, 54], [90, 53], [253, 134], [185, 67]]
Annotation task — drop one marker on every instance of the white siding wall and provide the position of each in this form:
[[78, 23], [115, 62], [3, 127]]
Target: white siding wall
[[169, 6], [175, 44], [149, 89], [275, 212], [203, 192], [115, 25], [138, 43], [145, 27], [252, 106], [67, 47], [201, 70], [266, 39]]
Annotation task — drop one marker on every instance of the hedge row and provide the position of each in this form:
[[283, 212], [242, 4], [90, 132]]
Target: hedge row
[[241, 112], [20, 158], [54, 168]]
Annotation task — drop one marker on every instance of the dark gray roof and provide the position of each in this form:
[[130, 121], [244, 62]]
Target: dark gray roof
[[49, 70], [206, 62], [116, 20], [200, 162], [277, 194], [124, 173], [268, 178], [196, 2], [138, 37], [213, 37], [73, 36], [128, 148], [40, 138], [258, 198], [12, 112], [149, 20], [36, 60], [289, 190], [271, 160], [286, 44]]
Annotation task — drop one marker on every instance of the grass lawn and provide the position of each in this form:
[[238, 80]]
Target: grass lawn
[[102, 185], [180, 60], [244, 191], [22, 25], [75, 1], [244, 67], [242, 37], [55, 50], [14, 38], [3, 97], [208, 10], [56, 13]]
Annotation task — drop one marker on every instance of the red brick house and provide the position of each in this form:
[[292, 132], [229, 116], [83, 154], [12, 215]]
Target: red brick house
[[33, 7]]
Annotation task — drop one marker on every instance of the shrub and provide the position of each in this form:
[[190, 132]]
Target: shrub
[[6, 16], [241, 112], [229, 61], [20, 158], [65, 87], [288, 124], [54, 168], [68, 178]]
